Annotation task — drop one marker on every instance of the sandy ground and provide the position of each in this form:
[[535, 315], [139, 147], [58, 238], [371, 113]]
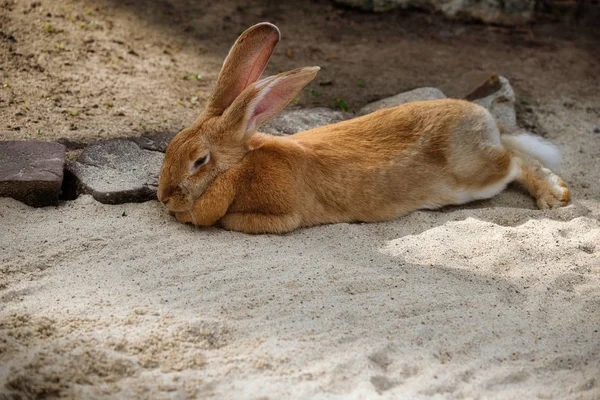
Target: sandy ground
[[494, 300], [122, 302]]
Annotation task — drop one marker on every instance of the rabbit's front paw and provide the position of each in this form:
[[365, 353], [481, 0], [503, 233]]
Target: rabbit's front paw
[[184, 217]]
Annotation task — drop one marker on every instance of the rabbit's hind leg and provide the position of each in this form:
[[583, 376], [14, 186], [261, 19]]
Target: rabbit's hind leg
[[489, 175], [549, 190]]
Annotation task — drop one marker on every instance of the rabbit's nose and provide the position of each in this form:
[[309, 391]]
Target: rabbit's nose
[[163, 196]]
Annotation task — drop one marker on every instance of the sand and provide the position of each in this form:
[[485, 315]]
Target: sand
[[106, 301], [493, 300]]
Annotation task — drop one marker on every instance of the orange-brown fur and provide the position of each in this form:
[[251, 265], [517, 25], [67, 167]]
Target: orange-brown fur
[[372, 168]]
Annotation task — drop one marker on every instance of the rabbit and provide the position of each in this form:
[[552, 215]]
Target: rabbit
[[420, 155]]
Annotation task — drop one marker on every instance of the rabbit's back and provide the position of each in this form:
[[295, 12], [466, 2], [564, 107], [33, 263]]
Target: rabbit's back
[[396, 160], [425, 129]]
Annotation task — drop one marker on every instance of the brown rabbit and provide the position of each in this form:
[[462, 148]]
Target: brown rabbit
[[377, 167]]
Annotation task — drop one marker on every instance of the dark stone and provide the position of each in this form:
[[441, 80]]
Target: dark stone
[[491, 91], [497, 95], [154, 141], [117, 171], [460, 86], [31, 172], [294, 121], [491, 85], [596, 130]]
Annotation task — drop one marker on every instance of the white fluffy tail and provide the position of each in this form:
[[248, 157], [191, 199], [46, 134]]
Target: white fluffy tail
[[536, 147]]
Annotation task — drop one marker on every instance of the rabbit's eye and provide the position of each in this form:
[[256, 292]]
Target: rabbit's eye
[[200, 162]]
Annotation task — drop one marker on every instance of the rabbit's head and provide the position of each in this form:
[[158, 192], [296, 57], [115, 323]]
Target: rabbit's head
[[240, 104]]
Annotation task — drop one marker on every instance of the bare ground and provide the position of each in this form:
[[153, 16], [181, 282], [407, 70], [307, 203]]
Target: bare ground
[[99, 69]]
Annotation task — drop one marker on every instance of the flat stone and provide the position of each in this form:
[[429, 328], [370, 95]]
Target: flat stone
[[117, 171], [294, 121], [426, 93], [32, 172], [154, 141], [497, 95]]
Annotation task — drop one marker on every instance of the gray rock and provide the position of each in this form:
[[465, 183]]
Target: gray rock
[[293, 121], [32, 172], [402, 98], [154, 141], [507, 12], [498, 96], [117, 171]]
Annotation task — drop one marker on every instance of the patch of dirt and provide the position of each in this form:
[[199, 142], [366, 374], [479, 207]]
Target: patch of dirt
[[88, 70]]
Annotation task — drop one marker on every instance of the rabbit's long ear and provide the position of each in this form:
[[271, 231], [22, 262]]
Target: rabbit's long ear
[[243, 66], [265, 99]]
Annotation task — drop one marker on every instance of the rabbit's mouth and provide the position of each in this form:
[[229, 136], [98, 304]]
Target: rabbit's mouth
[[177, 199], [175, 205], [174, 210]]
